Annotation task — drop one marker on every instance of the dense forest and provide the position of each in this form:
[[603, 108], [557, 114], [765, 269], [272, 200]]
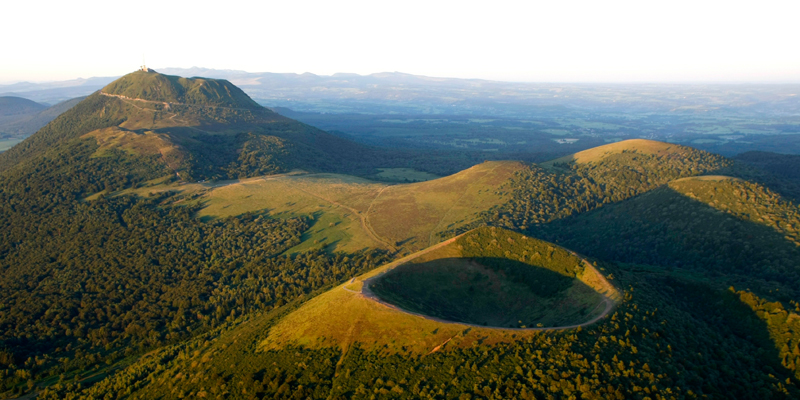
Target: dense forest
[[541, 195], [117, 277], [670, 338]]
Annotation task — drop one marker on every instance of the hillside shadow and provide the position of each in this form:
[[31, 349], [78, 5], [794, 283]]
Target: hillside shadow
[[666, 228], [489, 291], [694, 249], [732, 321], [781, 179], [265, 212]]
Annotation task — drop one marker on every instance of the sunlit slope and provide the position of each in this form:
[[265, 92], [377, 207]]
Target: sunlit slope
[[352, 313], [352, 213], [412, 216], [597, 154], [337, 204]]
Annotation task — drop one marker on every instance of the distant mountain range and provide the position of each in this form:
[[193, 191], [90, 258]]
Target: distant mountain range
[[55, 92], [401, 92], [20, 117]]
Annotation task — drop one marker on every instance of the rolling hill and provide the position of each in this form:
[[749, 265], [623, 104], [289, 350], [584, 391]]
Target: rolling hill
[[351, 213], [10, 106], [15, 115], [16, 128], [670, 335]]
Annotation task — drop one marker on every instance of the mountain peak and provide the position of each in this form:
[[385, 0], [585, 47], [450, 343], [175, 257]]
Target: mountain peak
[[149, 85]]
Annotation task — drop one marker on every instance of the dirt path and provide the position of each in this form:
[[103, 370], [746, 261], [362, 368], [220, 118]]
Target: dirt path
[[368, 294], [164, 159], [363, 219], [366, 224], [607, 301], [376, 198], [130, 100], [439, 347], [167, 105]]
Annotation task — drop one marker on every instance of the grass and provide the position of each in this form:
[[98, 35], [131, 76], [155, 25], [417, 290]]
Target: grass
[[413, 215], [344, 317], [408, 216], [596, 154], [704, 178], [352, 213], [147, 143], [333, 201]]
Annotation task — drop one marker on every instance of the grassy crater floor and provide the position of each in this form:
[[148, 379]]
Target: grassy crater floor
[[500, 280]]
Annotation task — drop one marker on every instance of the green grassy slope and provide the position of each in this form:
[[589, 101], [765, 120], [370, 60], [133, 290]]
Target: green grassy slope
[[351, 213]]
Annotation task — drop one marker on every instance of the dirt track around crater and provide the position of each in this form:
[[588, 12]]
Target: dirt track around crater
[[368, 294]]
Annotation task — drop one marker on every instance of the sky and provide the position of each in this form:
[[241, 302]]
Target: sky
[[531, 41]]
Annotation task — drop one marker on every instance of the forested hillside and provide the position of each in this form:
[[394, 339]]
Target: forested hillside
[[85, 285], [701, 262], [10, 105], [541, 194]]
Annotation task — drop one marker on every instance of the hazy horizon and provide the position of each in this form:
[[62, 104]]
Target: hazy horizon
[[570, 42], [576, 82]]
